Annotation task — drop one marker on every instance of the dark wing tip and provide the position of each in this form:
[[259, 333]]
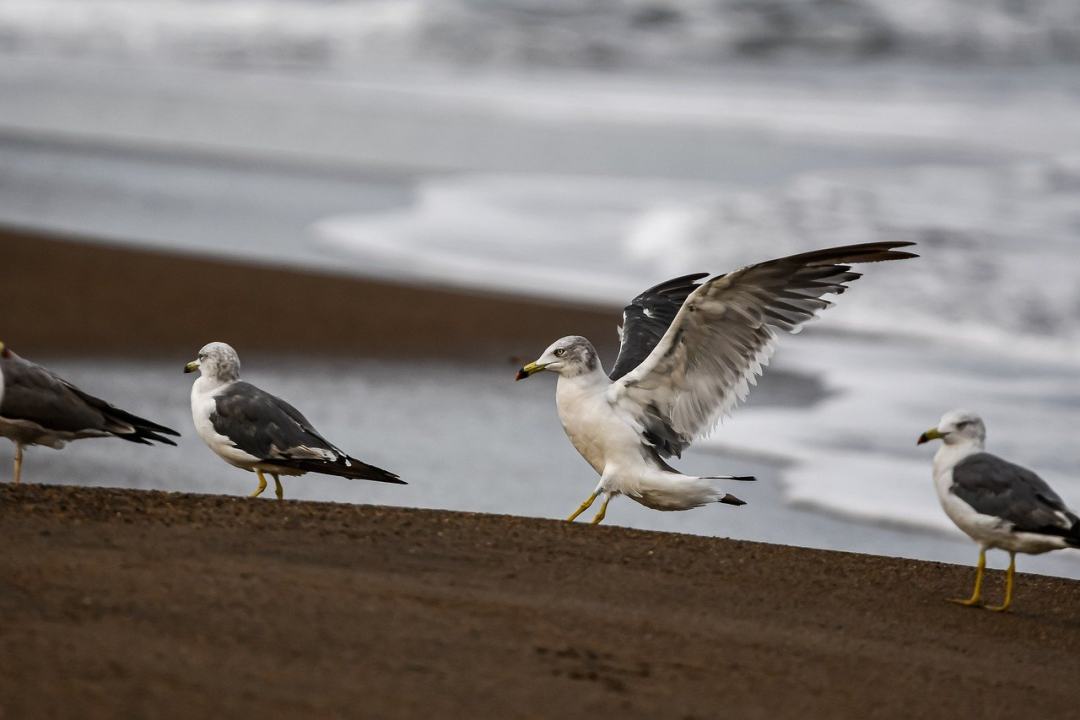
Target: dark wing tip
[[144, 426], [142, 436], [880, 252], [158, 438], [389, 478], [732, 500], [155, 432], [371, 472], [360, 470], [859, 253], [681, 283], [345, 467]]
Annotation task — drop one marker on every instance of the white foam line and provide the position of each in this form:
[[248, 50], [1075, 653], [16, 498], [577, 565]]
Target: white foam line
[[446, 267]]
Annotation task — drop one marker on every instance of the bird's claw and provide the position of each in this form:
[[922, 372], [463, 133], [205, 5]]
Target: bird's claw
[[966, 602]]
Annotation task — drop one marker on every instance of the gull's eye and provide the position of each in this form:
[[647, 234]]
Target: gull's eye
[[962, 425], [560, 352]]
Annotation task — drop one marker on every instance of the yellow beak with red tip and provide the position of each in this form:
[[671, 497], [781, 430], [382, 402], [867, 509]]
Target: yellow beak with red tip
[[931, 434], [530, 369]]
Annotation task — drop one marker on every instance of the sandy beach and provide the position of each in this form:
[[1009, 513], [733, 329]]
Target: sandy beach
[[138, 604]]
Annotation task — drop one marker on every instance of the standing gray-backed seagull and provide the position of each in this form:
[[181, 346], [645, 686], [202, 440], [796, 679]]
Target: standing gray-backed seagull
[[690, 352], [253, 430], [998, 504], [37, 407]]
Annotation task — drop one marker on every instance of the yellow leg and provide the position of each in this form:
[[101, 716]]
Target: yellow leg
[[278, 490], [18, 463], [976, 595], [584, 506], [603, 512], [262, 484], [1009, 579]]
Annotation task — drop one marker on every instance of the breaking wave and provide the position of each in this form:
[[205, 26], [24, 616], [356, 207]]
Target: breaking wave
[[350, 35]]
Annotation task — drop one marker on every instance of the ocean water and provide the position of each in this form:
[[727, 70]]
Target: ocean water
[[586, 160]]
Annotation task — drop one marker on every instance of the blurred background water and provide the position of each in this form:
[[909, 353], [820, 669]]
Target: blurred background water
[[582, 150]]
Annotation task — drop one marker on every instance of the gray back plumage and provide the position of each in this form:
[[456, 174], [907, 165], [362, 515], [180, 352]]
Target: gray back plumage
[[262, 424], [997, 487], [36, 394], [33, 393]]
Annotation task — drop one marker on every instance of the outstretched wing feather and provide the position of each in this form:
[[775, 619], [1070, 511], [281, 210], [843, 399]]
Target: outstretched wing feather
[[723, 336]]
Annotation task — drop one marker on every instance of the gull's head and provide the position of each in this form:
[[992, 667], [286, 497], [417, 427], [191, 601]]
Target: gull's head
[[217, 361], [955, 427], [568, 356]]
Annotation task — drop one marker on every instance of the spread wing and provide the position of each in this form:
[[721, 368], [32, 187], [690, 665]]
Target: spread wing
[[647, 318], [997, 487], [723, 336], [270, 429]]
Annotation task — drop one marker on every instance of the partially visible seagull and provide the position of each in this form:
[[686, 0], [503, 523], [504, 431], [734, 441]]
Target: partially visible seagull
[[253, 430], [691, 348], [998, 504], [38, 407]]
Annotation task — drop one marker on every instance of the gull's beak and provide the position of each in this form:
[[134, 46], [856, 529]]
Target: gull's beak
[[931, 434], [530, 369], [191, 366]]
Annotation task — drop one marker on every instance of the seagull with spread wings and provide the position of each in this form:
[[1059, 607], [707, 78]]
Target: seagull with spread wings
[[38, 407], [253, 430], [996, 503], [691, 349]]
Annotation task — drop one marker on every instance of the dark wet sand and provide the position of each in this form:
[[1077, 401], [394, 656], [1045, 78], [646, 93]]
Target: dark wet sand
[[119, 604], [116, 301]]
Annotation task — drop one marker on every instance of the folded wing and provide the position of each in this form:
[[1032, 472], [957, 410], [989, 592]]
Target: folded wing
[[36, 395], [270, 429], [996, 487]]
